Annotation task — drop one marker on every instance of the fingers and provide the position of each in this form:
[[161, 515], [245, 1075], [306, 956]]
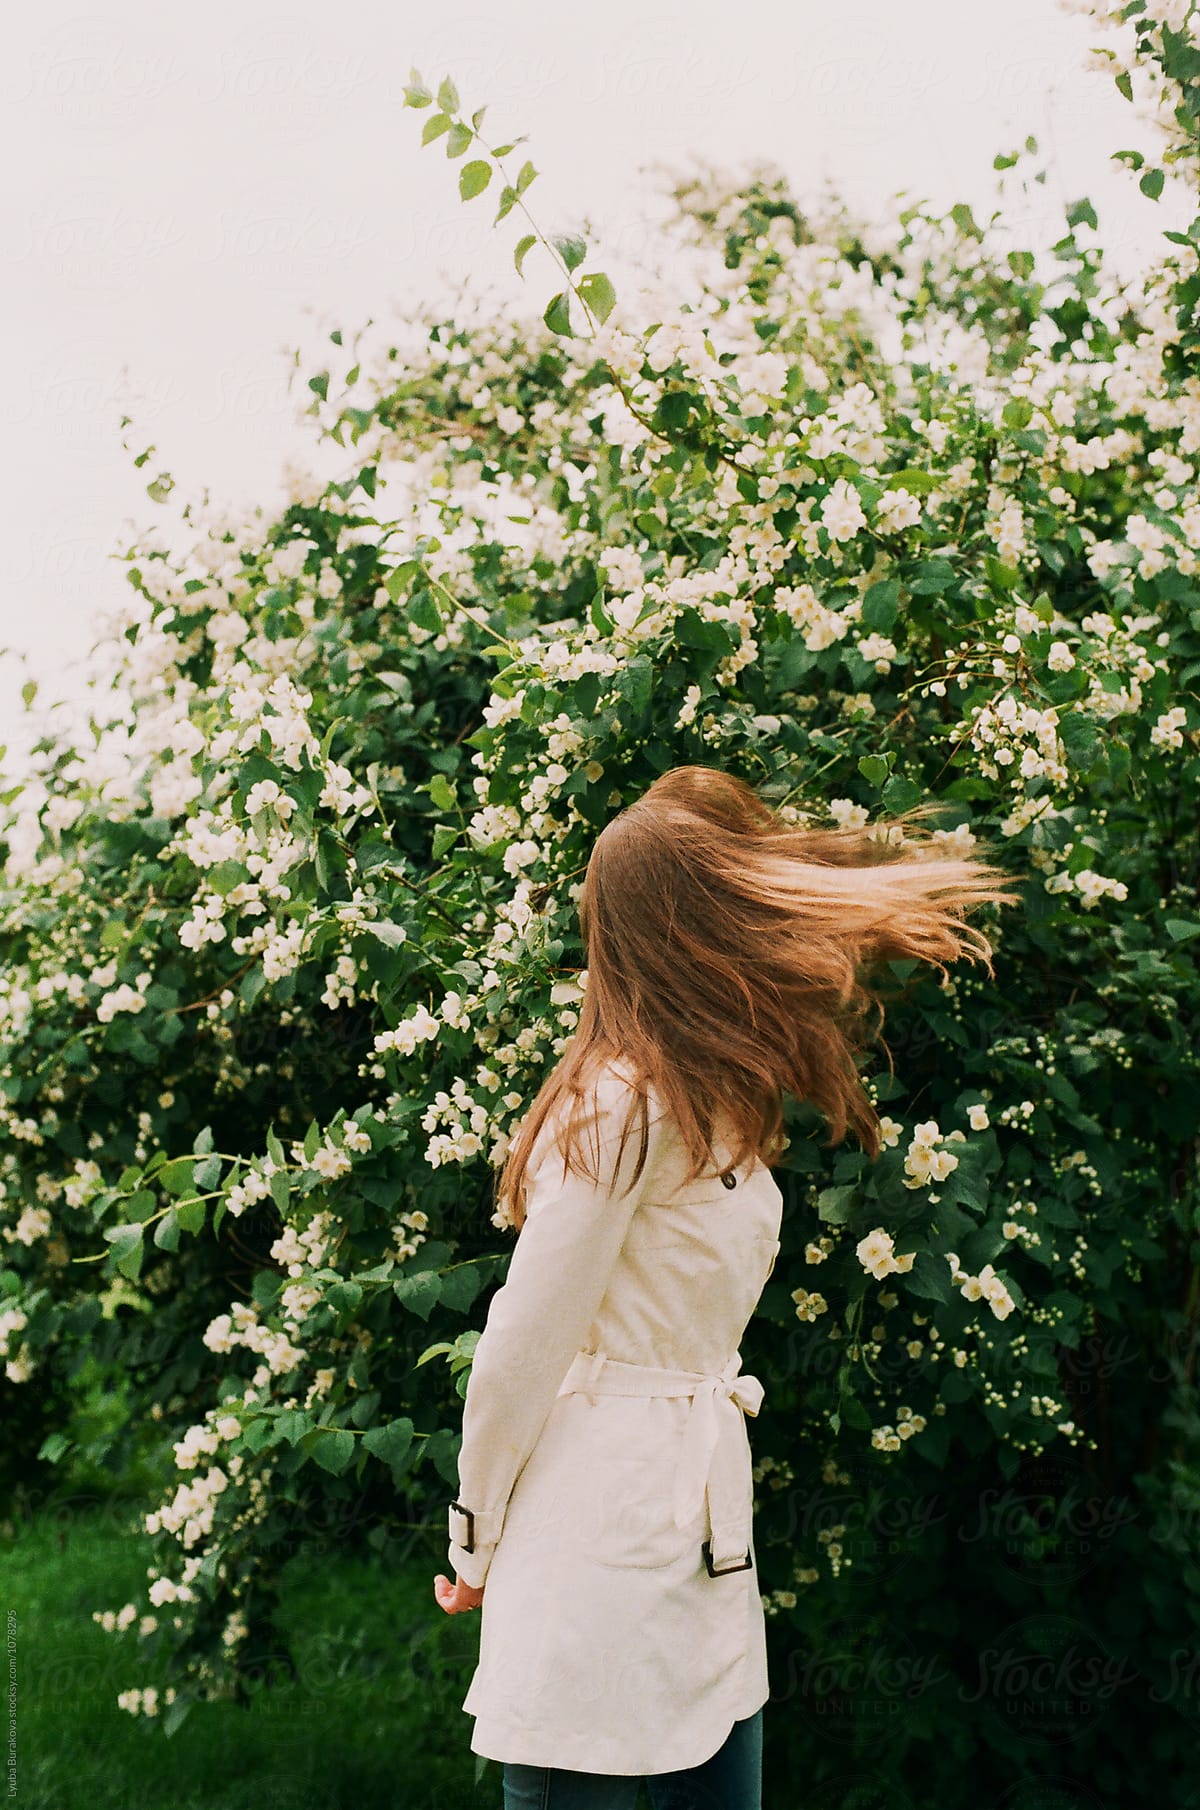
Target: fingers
[[455, 1597]]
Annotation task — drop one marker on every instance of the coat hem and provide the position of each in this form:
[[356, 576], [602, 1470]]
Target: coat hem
[[488, 1741]]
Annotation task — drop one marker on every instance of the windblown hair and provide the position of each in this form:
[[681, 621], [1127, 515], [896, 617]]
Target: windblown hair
[[733, 957]]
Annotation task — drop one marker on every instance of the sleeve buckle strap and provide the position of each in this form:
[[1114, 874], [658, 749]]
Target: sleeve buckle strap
[[467, 1543], [744, 1564], [482, 1526]]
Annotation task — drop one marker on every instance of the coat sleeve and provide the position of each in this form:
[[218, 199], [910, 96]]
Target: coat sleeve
[[559, 1272]]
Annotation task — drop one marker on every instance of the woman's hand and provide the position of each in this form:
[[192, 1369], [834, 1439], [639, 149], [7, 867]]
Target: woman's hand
[[457, 1596]]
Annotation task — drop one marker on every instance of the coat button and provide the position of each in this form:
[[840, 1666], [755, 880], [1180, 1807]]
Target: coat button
[[729, 1179]]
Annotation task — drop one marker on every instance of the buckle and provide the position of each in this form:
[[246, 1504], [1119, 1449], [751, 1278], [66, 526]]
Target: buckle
[[468, 1545], [745, 1564]]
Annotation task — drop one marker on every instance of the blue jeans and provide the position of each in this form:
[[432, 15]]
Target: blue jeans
[[730, 1780]]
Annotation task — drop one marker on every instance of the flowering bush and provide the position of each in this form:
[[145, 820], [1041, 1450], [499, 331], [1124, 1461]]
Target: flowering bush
[[867, 513]]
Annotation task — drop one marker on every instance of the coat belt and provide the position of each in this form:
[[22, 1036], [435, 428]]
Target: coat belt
[[715, 1461]]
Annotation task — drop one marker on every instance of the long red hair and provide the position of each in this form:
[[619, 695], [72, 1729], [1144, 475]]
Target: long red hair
[[733, 957]]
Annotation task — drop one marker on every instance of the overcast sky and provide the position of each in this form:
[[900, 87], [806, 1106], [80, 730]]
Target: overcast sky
[[199, 184]]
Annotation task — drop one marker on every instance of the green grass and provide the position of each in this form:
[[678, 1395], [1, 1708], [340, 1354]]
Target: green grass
[[373, 1720]]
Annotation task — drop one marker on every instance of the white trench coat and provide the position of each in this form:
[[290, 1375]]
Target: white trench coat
[[604, 1443]]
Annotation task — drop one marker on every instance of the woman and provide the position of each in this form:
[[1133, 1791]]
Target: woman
[[604, 1514]]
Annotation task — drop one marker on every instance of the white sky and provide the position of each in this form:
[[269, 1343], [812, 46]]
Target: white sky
[[200, 183]]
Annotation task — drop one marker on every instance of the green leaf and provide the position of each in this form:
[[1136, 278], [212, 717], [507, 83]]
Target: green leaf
[[208, 1173], [434, 127], [441, 1449], [457, 140], [523, 247], [1002, 576], [930, 1277], [419, 1292], [694, 630], [1152, 184], [599, 294], [166, 1232], [331, 1447], [140, 1205], [261, 1432], [416, 94], [932, 576], [473, 178], [880, 605], [1180, 929], [177, 1177], [875, 767], [127, 1248], [393, 936], [365, 1407], [447, 96], [251, 986], [442, 793], [913, 478], [835, 1205], [320, 385], [390, 1443], [176, 1713], [901, 794], [424, 611], [558, 315], [571, 249], [635, 685], [460, 1286], [344, 1297], [525, 177], [226, 875], [190, 1214], [508, 200], [293, 1424], [1080, 738]]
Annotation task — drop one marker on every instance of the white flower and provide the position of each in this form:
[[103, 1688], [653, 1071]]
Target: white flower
[[331, 1163], [842, 511], [123, 999], [809, 1306], [878, 651], [1166, 732], [875, 1253], [845, 812], [453, 1013], [898, 509]]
